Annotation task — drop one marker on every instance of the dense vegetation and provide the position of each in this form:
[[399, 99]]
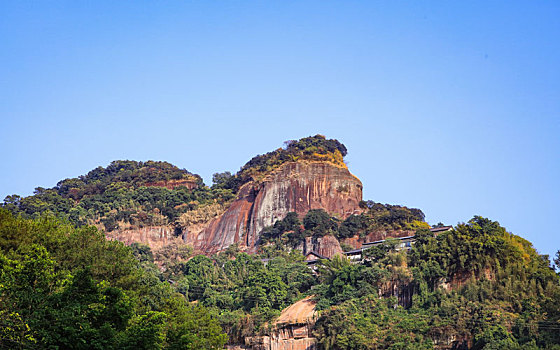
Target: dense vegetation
[[240, 290], [125, 194], [478, 287], [391, 217], [69, 288], [309, 148], [136, 194], [475, 287], [376, 217]]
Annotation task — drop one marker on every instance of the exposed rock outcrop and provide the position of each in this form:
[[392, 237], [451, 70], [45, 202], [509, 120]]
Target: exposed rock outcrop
[[156, 237], [293, 187], [326, 246]]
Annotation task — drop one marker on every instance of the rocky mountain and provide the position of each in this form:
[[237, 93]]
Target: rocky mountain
[[159, 204], [293, 187]]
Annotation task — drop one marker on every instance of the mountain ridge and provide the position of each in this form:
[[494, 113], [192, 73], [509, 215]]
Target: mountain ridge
[[159, 204]]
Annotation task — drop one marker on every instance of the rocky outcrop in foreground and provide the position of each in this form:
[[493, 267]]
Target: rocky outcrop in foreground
[[293, 187]]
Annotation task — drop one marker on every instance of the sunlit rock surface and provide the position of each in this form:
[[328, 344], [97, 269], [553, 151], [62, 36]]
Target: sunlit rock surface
[[293, 187]]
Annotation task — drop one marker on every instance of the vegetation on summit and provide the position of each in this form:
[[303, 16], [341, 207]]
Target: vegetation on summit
[[316, 148], [130, 194], [122, 195]]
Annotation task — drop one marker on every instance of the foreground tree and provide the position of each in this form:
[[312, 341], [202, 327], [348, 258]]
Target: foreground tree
[[68, 288]]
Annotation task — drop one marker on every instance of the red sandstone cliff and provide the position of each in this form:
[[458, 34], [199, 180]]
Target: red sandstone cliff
[[294, 186]]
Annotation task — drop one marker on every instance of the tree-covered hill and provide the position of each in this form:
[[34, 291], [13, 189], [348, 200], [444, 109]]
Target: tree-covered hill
[[475, 287], [125, 194], [292, 231], [64, 286], [312, 148]]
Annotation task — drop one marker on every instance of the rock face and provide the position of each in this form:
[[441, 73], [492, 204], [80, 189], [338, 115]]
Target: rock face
[[326, 246], [156, 236], [293, 187]]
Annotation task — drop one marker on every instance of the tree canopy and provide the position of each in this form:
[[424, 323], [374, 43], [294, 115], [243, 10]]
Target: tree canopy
[[70, 288]]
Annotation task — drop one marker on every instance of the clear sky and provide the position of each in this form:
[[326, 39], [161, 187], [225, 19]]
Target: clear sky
[[451, 107]]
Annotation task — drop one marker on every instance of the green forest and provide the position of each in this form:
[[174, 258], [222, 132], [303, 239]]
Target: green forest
[[63, 285], [67, 287], [121, 195], [291, 231]]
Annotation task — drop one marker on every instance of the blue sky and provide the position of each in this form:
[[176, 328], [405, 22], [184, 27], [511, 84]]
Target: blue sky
[[451, 107]]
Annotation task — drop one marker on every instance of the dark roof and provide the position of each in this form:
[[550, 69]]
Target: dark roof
[[383, 240], [353, 251], [366, 245], [316, 254], [439, 229], [433, 229]]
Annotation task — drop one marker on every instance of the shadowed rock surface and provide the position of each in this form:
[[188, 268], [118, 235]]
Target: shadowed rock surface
[[327, 246]]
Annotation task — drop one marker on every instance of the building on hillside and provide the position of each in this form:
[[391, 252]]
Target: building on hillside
[[405, 243], [293, 329], [312, 258], [354, 255]]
